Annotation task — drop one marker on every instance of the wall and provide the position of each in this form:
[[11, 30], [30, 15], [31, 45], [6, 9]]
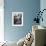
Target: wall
[[1, 21], [29, 7], [43, 6]]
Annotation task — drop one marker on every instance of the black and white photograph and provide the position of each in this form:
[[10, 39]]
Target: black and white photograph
[[17, 18]]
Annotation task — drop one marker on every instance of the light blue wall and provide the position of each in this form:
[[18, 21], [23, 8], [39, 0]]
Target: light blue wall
[[43, 6], [29, 7]]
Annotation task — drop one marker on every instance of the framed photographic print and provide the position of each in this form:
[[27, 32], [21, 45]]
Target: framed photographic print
[[17, 18]]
